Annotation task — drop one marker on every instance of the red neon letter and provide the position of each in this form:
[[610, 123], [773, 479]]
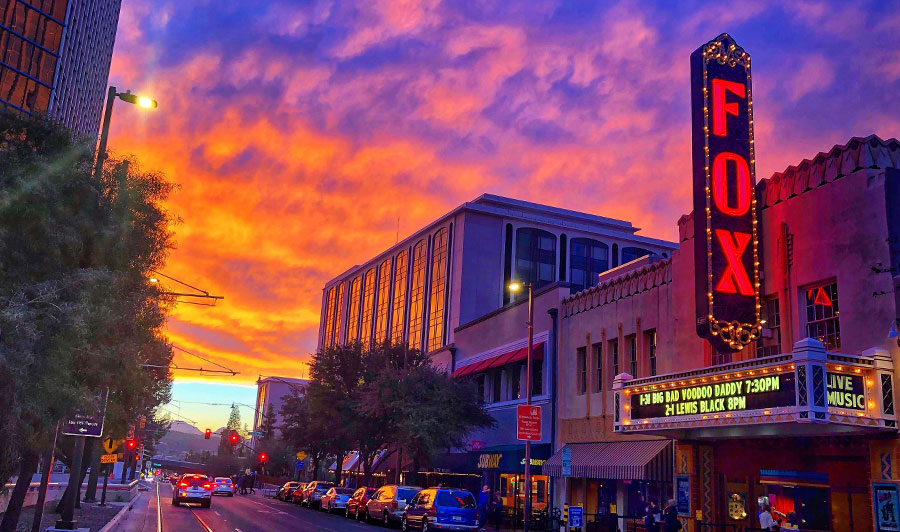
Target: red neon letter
[[720, 184], [720, 108], [733, 248]]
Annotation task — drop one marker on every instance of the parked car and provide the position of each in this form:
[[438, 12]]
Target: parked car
[[443, 508], [193, 488], [335, 499], [387, 504], [285, 492], [356, 506], [296, 496], [223, 486], [312, 494]]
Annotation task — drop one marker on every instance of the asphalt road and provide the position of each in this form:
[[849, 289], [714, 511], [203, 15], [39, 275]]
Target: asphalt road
[[241, 513]]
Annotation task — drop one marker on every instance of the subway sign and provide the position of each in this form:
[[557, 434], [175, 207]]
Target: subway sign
[[759, 392], [726, 255]]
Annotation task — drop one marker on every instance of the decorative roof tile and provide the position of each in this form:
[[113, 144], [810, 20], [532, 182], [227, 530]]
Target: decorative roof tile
[[628, 284]]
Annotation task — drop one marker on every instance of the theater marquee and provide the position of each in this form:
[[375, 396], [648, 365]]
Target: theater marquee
[[726, 255]]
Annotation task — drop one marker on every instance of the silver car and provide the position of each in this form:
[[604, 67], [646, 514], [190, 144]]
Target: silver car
[[192, 488], [336, 499], [223, 486], [388, 503]]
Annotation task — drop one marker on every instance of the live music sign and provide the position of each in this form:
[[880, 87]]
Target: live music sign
[[726, 254]]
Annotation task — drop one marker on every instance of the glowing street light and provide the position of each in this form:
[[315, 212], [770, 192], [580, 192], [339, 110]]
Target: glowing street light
[[111, 95], [516, 286]]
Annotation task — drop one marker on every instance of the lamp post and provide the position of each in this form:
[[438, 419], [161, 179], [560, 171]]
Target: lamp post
[[111, 96], [515, 286]]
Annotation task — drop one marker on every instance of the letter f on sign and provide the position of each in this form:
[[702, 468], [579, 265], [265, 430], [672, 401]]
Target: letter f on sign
[[719, 108], [734, 279]]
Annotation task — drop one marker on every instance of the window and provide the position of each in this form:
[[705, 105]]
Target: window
[[535, 256], [329, 317], [581, 370], [438, 290], [368, 306], [822, 315], [417, 295], [514, 374], [721, 358], [614, 356], [496, 385], [632, 352], [588, 259], [537, 377], [338, 314], [353, 319], [651, 351], [770, 314], [631, 253], [482, 384], [384, 301], [598, 370], [397, 314]]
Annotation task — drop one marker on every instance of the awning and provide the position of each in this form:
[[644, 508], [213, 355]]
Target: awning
[[349, 463], [503, 359], [618, 460]]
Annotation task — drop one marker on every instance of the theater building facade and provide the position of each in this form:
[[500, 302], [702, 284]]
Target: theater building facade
[[802, 418]]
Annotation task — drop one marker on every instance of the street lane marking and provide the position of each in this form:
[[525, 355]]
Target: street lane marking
[[202, 522], [217, 513], [158, 511]]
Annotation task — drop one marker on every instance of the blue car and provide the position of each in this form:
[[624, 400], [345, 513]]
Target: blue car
[[441, 509]]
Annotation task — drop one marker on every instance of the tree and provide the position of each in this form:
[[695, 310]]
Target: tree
[[226, 448], [78, 314], [304, 431]]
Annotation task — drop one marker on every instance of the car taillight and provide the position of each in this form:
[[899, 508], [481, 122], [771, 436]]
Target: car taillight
[[182, 484], [207, 487]]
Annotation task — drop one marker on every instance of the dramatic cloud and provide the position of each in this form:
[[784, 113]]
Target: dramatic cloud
[[301, 132]]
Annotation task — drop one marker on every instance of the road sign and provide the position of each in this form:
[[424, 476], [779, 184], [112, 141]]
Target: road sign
[[108, 458], [111, 446], [255, 433], [529, 423], [576, 516], [88, 424], [566, 462], [299, 465], [301, 455]]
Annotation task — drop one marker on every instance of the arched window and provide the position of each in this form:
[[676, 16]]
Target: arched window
[[631, 253], [417, 295], [353, 318], [338, 314], [401, 267], [368, 306], [588, 259], [384, 301], [329, 317], [438, 290], [535, 256]]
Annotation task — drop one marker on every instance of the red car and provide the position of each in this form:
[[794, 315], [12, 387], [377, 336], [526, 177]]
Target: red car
[[356, 506]]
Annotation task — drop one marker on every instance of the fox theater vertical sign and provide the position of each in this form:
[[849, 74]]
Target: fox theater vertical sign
[[726, 253]]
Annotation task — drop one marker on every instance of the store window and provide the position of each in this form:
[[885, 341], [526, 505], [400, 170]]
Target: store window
[[514, 376], [496, 385], [822, 315], [417, 295], [631, 253], [353, 318], [384, 301], [588, 258], [482, 383], [598, 367], [401, 266], [632, 355], [537, 377], [581, 369], [438, 290], [614, 357], [770, 316], [651, 351], [535, 256], [368, 306]]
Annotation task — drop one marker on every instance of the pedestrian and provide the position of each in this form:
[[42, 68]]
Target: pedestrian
[[671, 523], [497, 510], [651, 517], [252, 481], [766, 521], [484, 498]]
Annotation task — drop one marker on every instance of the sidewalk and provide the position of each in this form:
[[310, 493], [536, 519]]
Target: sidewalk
[[141, 516]]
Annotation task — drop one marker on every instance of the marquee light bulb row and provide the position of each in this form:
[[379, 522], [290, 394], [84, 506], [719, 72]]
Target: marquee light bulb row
[[712, 378]]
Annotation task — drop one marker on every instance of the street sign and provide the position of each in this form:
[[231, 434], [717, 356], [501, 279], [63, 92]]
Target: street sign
[[301, 455], [576, 516], [299, 465], [88, 424], [255, 433], [529, 423], [108, 458], [566, 462], [111, 446]]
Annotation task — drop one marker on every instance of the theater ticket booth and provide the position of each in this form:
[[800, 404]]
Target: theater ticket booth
[[811, 433]]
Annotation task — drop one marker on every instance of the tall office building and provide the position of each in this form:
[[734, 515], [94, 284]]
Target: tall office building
[[56, 56]]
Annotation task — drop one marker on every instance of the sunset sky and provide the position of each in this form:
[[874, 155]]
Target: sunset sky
[[300, 132]]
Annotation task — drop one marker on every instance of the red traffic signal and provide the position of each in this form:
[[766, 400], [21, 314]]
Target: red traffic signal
[[208, 434], [235, 438], [263, 457], [131, 445]]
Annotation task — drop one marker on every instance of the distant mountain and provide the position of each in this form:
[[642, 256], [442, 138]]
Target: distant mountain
[[176, 443], [184, 427]]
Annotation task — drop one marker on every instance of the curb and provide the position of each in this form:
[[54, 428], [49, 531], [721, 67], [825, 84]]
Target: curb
[[118, 517]]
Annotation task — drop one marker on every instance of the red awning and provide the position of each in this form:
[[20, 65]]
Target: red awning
[[517, 355]]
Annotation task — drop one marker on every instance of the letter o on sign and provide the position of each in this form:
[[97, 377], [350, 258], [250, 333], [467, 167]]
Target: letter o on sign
[[720, 184]]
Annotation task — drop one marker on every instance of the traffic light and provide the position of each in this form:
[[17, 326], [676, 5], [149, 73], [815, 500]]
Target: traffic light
[[263, 457], [234, 438], [131, 445], [208, 434]]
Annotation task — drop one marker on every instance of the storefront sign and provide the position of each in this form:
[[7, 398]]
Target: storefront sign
[[885, 503], [726, 256], [489, 461], [683, 494], [751, 393], [566, 462], [528, 426], [846, 391], [509, 458], [576, 516]]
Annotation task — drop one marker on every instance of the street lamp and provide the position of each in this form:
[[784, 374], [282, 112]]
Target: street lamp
[[516, 286], [111, 95]]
